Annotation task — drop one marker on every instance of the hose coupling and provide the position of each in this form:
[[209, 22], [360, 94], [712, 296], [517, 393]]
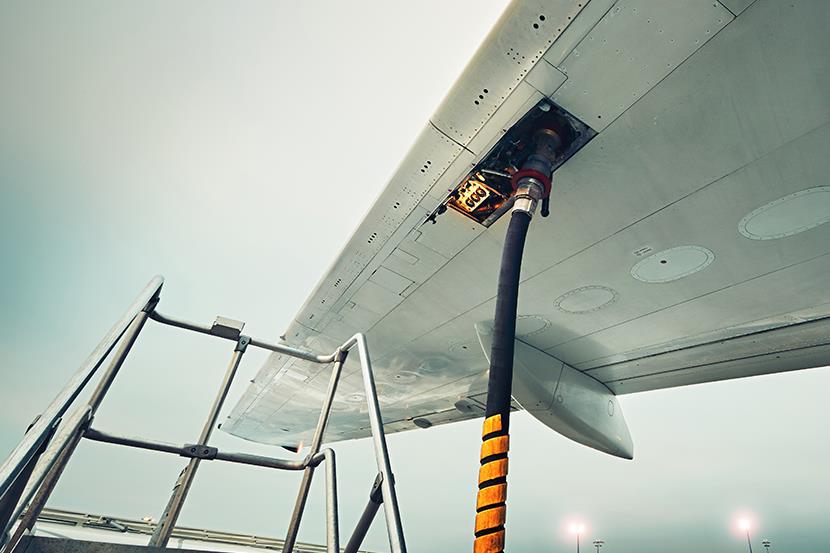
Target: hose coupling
[[529, 193]]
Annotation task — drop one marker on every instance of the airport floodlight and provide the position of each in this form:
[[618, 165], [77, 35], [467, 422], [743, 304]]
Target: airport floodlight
[[577, 528], [745, 524]]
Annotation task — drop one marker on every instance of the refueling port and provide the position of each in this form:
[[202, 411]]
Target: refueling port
[[487, 191]]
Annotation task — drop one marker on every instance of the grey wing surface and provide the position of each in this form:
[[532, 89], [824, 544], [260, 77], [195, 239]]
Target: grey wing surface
[[685, 242]]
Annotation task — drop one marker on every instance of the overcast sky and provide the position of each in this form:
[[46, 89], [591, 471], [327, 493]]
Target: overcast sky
[[187, 139]]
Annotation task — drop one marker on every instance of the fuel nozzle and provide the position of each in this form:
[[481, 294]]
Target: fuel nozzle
[[533, 181]]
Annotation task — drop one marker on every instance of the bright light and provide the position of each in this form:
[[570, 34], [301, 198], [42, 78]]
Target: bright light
[[577, 528], [744, 524]]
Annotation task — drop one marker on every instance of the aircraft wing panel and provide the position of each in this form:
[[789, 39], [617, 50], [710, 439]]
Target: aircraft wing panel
[[686, 241], [788, 347]]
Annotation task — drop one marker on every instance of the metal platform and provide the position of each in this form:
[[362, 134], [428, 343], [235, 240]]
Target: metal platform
[[38, 544], [30, 473], [62, 530]]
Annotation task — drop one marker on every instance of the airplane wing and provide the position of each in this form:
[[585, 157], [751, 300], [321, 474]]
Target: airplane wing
[[685, 242]]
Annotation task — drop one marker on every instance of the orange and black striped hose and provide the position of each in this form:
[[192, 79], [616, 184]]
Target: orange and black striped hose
[[492, 487], [491, 504]]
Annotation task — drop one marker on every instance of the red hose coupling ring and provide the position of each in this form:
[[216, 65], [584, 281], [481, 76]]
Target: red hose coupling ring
[[541, 177]]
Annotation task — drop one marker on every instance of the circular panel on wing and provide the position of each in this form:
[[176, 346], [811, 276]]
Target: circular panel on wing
[[586, 299], [792, 214], [672, 264], [528, 325]]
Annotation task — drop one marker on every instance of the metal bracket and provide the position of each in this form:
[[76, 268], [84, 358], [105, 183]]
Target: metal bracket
[[196, 451], [112, 523], [227, 328], [376, 495], [242, 343], [151, 305]]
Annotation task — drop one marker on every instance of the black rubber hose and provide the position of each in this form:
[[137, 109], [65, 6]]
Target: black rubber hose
[[500, 380], [492, 477]]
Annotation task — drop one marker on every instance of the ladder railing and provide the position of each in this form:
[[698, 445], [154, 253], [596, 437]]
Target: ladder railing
[[30, 473]]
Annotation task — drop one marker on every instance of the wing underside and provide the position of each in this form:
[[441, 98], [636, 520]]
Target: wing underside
[[685, 243]]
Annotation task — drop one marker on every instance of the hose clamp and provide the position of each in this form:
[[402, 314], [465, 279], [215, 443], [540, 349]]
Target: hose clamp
[[542, 179], [528, 193]]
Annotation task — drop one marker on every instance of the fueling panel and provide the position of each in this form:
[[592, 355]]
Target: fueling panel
[[485, 193]]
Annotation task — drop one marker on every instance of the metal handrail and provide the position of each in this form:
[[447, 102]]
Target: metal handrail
[[184, 451], [390, 503], [19, 469], [279, 348], [42, 427]]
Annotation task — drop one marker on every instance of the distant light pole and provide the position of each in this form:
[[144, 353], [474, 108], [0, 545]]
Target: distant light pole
[[577, 528], [598, 544], [766, 544], [745, 524]]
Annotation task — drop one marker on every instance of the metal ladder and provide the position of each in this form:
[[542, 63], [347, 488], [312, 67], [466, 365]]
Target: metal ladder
[[30, 473]]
